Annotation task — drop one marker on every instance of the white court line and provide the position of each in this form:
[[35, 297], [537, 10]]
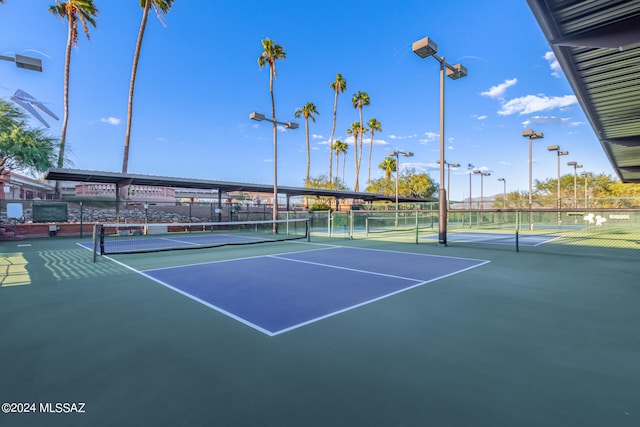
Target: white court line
[[236, 259], [344, 268]]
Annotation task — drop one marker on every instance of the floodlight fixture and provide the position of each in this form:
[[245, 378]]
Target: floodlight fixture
[[25, 62], [553, 147], [457, 71], [424, 47], [257, 116]]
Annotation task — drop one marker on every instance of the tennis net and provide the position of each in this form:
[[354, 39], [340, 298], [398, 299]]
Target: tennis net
[[134, 238]]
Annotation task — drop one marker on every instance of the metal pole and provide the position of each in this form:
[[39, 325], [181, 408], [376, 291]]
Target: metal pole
[[275, 175], [442, 205], [530, 183], [558, 201], [397, 171]]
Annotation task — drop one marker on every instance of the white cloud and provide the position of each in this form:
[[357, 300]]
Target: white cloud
[[499, 90], [533, 103], [316, 136], [552, 120], [111, 120], [503, 163], [430, 136], [402, 137], [556, 70], [481, 117]]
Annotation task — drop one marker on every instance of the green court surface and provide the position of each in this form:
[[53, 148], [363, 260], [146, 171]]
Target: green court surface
[[528, 339]]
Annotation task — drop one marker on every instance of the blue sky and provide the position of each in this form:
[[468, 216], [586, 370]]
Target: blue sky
[[198, 80]]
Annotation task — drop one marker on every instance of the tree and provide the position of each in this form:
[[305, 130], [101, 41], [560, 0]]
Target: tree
[[374, 126], [22, 147], [388, 165], [359, 100], [71, 11], [355, 130], [339, 85], [270, 54], [341, 148], [307, 111], [410, 183], [160, 7]]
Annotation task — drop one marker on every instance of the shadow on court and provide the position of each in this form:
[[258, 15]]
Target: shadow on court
[[527, 339]]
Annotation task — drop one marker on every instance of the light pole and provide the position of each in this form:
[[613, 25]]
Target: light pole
[[556, 148], [482, 175], [504, 192], [289, 125], [396, 154], [576, 166], [26, 62], [586, 188], [425, 48], [531, 135], [449, 165]]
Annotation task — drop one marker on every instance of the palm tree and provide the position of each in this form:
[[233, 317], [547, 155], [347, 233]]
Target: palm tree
[[374, 126], [341, 148], [307, 111], [355, 130], [388, 165], [71, 11], [359, 100], [339, 85], [160, 6], [271, 53]]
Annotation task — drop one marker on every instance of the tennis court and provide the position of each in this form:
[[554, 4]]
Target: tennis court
[[329, 281], [341, 332]]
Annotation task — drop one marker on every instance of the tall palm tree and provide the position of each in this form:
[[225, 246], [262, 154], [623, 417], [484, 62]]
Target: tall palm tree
[[374, 126], [270, 54], [359, 100], [355, 130], [160, 7], [71, 11], [307, 111], [339, 85], [341, 148], [388, 165]]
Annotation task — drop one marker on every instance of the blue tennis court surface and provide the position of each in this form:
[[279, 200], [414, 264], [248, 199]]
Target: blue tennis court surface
[[278, 293]]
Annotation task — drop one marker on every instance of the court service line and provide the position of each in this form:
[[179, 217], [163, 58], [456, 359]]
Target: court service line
[[344, 268], [381, 297], [236, 259]]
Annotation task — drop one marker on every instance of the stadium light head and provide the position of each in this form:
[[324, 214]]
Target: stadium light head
[[407, 154], [477, 171], [256, 116], [572, 164], [553, 147], [501, 179], [28, 63], [454, 165], [457, 71], [562, 153], [424, 47], [291, 125], [25, 62]]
